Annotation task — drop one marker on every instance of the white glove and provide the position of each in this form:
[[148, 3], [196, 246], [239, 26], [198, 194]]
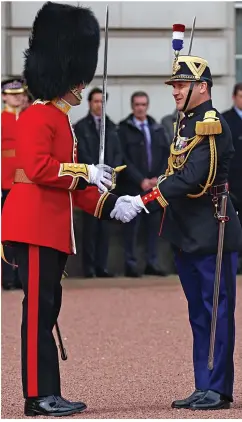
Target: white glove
[[127, 207], [101, 176]]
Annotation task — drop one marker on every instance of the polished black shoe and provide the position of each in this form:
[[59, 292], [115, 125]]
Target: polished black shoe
[[211, 401], [151, 270], [100, 273], [131, 272], [186, 403], [52, 406]]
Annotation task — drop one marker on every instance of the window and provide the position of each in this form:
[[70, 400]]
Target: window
[[238, 34]]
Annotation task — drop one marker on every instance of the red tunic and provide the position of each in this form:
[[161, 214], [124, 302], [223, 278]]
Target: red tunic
[[8, 161], [41, 213]]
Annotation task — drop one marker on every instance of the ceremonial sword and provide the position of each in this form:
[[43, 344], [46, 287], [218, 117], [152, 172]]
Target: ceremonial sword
[[104, 102], [222, 220], [192, 35], [104, 94]]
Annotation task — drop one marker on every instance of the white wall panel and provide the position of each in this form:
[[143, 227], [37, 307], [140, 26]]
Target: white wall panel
[[136, 56], [154, 56], [163, 14], [99, 9], [141, 56], [3, 53], [126, 14], [18, 44], [23, 13]]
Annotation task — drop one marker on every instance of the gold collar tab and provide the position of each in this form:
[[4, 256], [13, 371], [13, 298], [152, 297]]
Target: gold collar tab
[[62, 105]]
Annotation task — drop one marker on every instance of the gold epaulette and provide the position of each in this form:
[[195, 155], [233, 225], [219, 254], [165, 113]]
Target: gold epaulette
[[210, 125]]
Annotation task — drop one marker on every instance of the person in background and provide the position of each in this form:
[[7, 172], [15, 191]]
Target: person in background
[[145, 150], [95, 234], [167, 123], [234, 120], [12, 96], [27, 100]]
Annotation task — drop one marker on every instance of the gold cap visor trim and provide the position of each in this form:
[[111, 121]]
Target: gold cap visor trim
[[14, 91]]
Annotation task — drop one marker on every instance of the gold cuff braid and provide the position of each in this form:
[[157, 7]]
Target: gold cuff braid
[[100, 204], [74, 170]]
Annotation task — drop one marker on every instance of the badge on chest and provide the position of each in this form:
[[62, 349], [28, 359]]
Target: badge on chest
[[181, 144]]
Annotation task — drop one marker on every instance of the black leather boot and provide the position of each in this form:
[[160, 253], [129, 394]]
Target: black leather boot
[[52, 406], [211, 401], [186, 403]]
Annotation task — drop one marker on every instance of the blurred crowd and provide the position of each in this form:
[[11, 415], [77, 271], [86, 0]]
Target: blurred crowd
[[141, 143]]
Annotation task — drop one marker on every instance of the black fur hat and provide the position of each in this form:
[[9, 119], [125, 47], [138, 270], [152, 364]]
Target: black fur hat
[[63, 50]]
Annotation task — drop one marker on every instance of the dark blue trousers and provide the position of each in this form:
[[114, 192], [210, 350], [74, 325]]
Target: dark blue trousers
[[197, 273]]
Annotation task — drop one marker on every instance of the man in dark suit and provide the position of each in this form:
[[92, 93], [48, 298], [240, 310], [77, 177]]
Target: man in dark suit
[[95, 239], [168, 122], [145, 150], [234, 120]]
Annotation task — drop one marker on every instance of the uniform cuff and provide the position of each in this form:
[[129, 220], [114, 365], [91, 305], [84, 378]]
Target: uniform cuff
[[105, 205], [77, 172], [154, 194]]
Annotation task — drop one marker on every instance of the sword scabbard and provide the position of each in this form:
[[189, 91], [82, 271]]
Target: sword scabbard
[[222, 220]]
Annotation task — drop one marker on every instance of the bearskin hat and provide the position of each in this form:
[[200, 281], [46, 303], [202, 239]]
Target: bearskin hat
[[63, 50]]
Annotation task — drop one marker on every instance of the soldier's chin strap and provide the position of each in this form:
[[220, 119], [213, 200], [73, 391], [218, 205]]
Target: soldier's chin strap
[[184, 109], [188, 96]]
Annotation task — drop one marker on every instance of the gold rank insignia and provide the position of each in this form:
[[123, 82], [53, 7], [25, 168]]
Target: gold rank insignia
[[175, 66]]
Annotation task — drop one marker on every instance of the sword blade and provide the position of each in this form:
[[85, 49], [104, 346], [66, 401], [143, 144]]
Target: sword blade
[[191, 36], [217, 282], [104, 95]]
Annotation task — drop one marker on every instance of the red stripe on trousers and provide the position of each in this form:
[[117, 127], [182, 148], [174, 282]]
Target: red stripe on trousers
[[32, 323]]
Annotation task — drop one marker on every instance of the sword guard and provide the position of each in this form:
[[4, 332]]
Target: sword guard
[[223, 218], [119, 168]]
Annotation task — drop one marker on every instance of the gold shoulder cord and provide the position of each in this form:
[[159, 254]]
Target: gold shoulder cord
[[210, 126]]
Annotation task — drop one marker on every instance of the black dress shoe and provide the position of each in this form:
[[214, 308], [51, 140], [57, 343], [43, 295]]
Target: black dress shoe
[[52, 406], [132, 272], [150, 270], [103, 273], [211, 401], [186, 403]]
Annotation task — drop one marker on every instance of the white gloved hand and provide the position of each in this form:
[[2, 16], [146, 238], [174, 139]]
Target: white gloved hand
[[101, 176], [127, 207]]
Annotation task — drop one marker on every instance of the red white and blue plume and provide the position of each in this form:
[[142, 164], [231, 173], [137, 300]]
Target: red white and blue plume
[[178, 37]]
